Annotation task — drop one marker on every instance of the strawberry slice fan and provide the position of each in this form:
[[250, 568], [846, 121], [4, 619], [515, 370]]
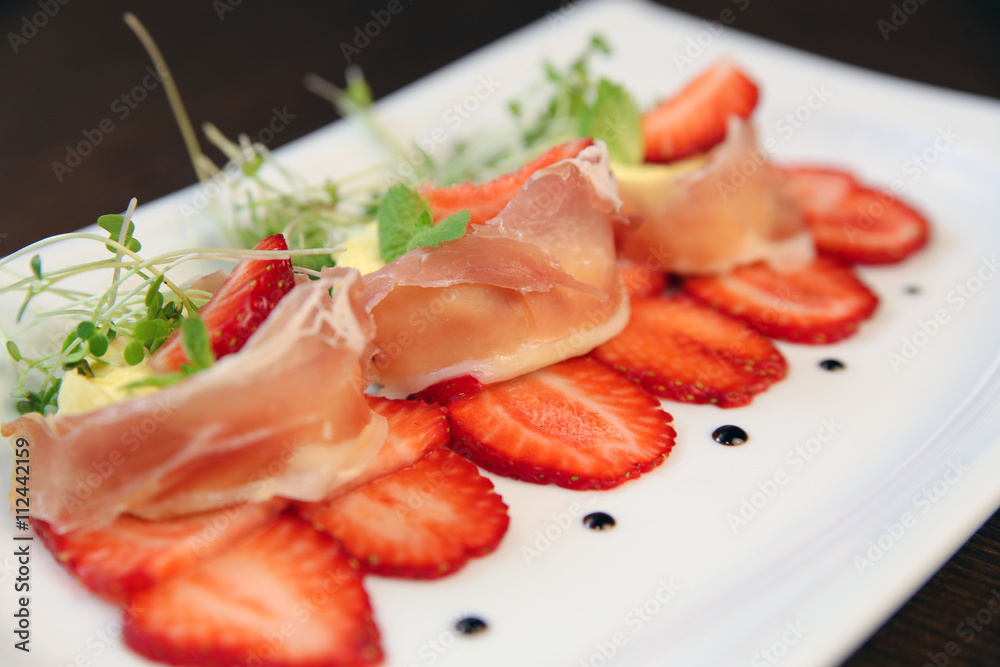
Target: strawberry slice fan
[[281, 584]]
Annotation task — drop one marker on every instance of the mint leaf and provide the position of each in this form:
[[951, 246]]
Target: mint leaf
[[614, 118], [449, 229], [196, 343], [397, 219]]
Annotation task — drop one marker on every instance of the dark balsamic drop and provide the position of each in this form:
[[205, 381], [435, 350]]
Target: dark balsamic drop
[[832, 365], [470, 625], [730, 435], [599, 521], [912, 289]]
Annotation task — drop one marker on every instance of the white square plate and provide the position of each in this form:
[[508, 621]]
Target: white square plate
[[854, 486]]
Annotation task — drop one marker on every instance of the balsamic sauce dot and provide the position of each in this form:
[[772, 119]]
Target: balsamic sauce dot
[[912, 289], [599, 521], [470, 625], [730, 435], [832, 365]]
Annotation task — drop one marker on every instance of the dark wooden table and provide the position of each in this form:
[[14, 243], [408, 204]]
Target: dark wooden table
[[236, 60]]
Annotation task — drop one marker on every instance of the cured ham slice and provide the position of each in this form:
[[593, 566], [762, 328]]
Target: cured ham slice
[[712, 217], [534, 285], [285, 416]]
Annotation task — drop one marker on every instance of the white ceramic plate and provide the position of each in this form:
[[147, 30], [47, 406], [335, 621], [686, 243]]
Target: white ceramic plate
[[902, 456]]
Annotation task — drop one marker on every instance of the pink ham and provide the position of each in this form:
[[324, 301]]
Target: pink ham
[[535, 285], [286, 416], [731, 211]]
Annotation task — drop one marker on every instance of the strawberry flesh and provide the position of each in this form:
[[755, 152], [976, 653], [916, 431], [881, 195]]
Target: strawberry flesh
[[132, 554], [245, 299], [821, 303], [415, 430], [421, 522], [641, 281], [695, 119], [286, 596], [853, 223], [446, 391], [576, 424], [485, 201], [681, 350]]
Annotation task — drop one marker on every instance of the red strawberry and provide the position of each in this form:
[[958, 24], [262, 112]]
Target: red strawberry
[[421, 522], [131, 554], [853, 223], [446, 391], [681, 350], [695, 119], [287, 596], [577, 424], [641, 281], [415, 430], [486, 200], [248, 296], [821, 303]]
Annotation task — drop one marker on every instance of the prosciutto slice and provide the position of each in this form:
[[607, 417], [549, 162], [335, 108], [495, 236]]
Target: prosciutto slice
[[285, 416], [535, 285], [731, 211]]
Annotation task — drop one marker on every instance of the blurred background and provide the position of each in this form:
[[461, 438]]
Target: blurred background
[[66, 63]]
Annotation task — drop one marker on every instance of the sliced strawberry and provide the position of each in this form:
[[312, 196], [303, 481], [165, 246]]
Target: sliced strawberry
[[641, 281], [421, 522], [821, 303], [577, 424], [415, 430], [682, 350], [286, 596], [247, 296], [448, 390], [132, 554], [695, 119], [853, 223], [486, 200]]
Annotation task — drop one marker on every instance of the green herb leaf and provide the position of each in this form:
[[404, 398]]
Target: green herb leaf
[[13, 350], [112, 223], [36, 266], [615, 119], [398, 216], [85, 330], [196, 343], [134, 353], [97, 344], [405, 223], [449, 229]]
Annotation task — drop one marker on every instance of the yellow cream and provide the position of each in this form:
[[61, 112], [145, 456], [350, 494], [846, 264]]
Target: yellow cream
[[80, 393], [647, 187], [361, 250]]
